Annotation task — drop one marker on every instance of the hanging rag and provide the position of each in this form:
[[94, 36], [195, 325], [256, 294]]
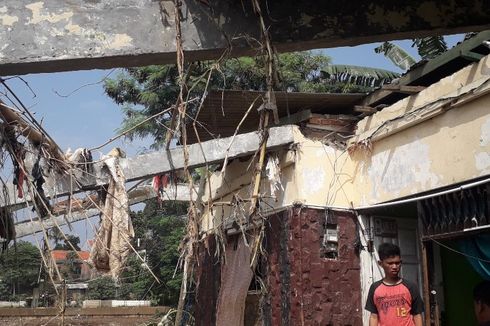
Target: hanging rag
[[83, 158], [19, 177], [273, 171], [112, 242], [160, 183], [236, 276], [41, 202]]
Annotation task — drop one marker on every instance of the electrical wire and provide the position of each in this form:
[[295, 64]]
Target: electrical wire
[[459, 252]]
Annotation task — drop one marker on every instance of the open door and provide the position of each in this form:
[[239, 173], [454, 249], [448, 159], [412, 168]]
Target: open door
[[400, 231]]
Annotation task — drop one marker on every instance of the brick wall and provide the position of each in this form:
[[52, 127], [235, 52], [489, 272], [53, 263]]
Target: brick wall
[[306, 289]]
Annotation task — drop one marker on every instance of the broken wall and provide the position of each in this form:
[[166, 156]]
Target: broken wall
[[433, 139], [441, 138], [311, 173]]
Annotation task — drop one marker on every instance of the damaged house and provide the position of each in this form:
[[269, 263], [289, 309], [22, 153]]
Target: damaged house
[[406, 164], [342, 173], [284, 230]]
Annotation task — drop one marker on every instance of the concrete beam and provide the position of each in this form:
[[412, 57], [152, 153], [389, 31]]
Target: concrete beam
[[52, 35], [140, 194], [212, 151]]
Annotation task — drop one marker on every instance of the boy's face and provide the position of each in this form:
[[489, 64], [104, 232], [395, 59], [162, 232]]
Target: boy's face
[[391, 266], [482, 312]]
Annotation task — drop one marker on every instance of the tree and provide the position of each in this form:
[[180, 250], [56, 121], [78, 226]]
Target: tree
[[160, 230], [57, 236], [103, 288], [73, 240], [427, 47], [19, 271]]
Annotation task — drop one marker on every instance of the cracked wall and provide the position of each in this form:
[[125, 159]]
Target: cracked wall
[[431, 148]]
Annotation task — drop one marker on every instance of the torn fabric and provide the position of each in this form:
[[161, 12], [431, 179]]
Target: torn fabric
[[112, 243], [236, 276], [273, 170]]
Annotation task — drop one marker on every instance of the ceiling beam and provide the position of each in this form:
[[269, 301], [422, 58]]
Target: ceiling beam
[[50, 36]]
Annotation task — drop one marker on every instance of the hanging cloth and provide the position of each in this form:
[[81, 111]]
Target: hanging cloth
[[112, 242], [477, 246], [236, 276]]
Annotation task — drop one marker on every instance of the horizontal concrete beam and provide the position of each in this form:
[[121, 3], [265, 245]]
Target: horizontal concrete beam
[[52, 35], [140, 194], [148, 165]]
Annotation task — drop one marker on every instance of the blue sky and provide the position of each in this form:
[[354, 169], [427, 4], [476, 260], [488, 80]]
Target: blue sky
[[87, 117]]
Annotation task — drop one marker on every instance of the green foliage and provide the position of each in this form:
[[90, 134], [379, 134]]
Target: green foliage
[[396, 54], [56, 235], [20, 268], [427, 47], [161, 230], [430, 47], [5, 292], [358, 76], [103, 288], [72, 239]]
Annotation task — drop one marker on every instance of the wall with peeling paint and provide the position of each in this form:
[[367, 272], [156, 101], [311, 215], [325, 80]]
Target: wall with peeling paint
[[431, 148]]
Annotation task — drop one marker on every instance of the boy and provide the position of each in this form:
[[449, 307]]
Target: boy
[[481, 298], [393, 301]]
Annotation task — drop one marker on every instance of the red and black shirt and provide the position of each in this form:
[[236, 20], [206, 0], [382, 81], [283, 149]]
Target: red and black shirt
[[394, 304]]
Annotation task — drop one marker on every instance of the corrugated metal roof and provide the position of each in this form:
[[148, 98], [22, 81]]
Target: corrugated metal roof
[[222, 111]]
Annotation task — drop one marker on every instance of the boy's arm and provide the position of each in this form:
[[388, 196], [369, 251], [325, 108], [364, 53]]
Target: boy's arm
[[417, 319], [373, 320]]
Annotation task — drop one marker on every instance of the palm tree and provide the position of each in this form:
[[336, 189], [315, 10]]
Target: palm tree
[[369, 78], [427, 47], [56, 235]]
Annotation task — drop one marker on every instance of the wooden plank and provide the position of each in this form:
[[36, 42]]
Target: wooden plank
[[472, 56], [404, 89], [295, 118], [365, 109], [331, 128]]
